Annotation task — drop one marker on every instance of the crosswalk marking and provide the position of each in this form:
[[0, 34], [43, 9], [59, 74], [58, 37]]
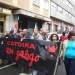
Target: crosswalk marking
[[7, 66]]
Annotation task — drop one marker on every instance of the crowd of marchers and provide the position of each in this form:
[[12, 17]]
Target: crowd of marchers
[[67, 50]]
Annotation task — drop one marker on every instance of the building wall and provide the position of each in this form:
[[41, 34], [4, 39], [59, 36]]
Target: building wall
[[24, 4], [9, 23], [58, 15], [60, 3], [28, 5], [62, 17]]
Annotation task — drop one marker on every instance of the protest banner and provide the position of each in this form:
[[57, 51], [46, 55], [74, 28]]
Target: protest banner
[[38, 55]]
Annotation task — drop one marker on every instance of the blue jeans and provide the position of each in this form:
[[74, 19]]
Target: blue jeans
[[70, 66], [35, 72]]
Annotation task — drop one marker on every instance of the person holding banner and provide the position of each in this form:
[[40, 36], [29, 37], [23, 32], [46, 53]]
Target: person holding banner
[[26, 34], [55, 38], [36, 36], [68, 53]]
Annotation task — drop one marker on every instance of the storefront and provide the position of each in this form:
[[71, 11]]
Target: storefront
[[56, 26], [29, 23], [1, 24], [61, 26], [29, 20], [49, 26], [3, 13], [66, 28]]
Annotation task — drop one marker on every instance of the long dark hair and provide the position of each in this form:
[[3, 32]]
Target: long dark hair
[[51, 37]]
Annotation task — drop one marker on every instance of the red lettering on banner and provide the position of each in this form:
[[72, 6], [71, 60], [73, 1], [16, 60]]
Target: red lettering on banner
[[8, 42], [15, 43], [21, 44], [26, 45], [12, 43], [9, 50], [25, 55]]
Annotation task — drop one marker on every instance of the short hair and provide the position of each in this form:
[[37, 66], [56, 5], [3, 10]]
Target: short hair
[[71, 33], [52, 36], [11, 32], [25, 30], [36, 29], [63, 33]]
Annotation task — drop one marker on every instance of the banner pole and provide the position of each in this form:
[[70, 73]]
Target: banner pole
[[56, 66]]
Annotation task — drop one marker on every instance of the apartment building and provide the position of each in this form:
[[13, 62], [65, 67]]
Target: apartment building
[[62, 15], [52, 15], [22, 14]]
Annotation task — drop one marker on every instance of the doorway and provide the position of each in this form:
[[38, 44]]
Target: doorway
[[1, 28]]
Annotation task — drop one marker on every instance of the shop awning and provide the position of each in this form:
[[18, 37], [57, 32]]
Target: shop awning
[[66, 26], [31, 14], [60, 24], [50, 22], [56, 23]]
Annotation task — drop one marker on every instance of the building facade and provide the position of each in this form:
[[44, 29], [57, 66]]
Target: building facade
[[28, 14], [52, 15], [62, 15]]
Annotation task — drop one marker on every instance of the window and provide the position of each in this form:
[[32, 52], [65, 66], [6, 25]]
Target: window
[[67, 3], [73, 17], [36, 2], [64, 1], [70, 6], [46, 4], [59, 9], [56, 28], [70, 15], [53, 6], [62, 28], [73, 9], [48, 27], [64, 12]]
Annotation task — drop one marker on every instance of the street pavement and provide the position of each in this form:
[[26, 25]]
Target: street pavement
[[12, 70], [61, 69]]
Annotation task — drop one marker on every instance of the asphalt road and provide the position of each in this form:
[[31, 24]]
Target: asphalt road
[[61, 70], [16, 71]]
